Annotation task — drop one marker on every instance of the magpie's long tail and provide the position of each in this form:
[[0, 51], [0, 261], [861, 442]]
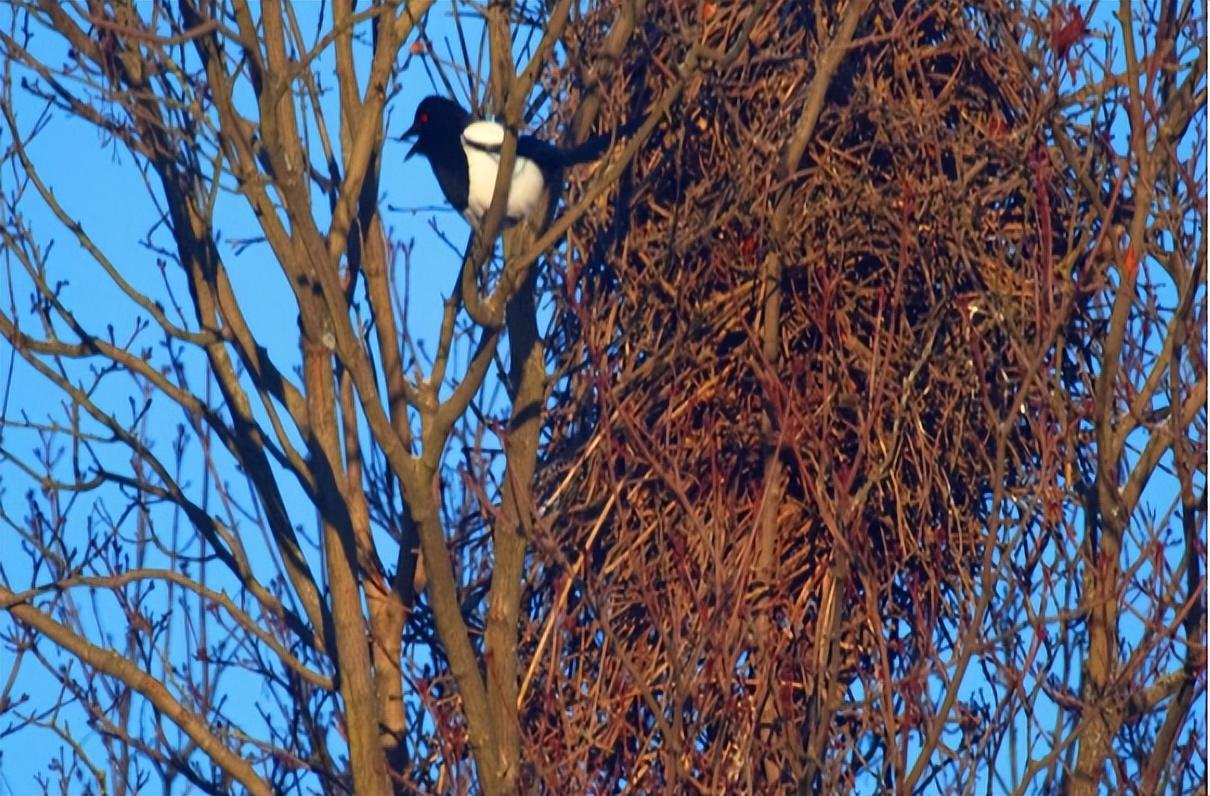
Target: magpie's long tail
[[550, 157], [586, 152], [596, 145]]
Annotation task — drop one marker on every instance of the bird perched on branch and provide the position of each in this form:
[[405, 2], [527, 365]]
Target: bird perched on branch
[[465, 156]]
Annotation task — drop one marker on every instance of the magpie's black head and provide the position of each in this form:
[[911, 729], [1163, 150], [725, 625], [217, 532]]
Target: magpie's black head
[[438, 122]]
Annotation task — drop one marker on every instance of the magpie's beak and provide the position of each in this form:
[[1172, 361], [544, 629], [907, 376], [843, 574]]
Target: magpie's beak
[[414, 130]]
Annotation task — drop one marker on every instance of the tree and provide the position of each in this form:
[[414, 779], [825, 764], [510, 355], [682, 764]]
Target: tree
[[842, 429]]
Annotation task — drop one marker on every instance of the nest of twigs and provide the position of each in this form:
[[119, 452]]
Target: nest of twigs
[[920, 265]]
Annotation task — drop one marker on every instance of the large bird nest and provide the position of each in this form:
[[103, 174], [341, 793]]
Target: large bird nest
[[923, 268]]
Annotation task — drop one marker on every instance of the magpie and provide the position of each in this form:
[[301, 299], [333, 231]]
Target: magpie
[[465, 157]]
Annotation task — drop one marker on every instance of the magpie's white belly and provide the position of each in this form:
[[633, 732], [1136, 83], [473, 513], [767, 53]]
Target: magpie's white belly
[[523, 193]]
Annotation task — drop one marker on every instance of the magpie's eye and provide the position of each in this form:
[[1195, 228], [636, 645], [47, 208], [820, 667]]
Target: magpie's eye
[[423, 118]]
